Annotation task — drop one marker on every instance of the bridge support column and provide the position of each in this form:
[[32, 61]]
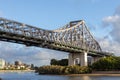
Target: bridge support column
[[84, 59], [78, 59], [71, 59]]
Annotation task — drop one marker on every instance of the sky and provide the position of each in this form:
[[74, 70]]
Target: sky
[[101, 16]]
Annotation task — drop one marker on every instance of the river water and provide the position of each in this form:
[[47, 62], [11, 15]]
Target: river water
[[33, 76]]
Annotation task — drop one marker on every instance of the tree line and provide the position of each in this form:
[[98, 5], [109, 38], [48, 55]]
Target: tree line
[[62, 62], [110, 63]]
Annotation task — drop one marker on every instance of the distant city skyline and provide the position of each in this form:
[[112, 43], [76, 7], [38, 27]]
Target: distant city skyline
[[101, 16], [17, 65]]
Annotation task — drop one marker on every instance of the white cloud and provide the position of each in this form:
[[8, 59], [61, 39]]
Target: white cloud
[[111, 19], [114, 23], [45, 55], [38, 56], [110, 46]]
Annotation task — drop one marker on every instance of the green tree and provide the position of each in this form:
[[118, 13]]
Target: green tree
[[54, 62], [63, 62], [108, 63]]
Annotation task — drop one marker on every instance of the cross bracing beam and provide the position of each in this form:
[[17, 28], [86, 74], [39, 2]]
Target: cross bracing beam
[[73, 37]]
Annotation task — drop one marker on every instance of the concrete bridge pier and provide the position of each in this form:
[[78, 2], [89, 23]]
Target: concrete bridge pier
[[78, 59]]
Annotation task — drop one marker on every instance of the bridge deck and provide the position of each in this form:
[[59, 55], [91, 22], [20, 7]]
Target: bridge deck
[[73, 37]]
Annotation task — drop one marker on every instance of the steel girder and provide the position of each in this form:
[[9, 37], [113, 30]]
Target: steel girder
[[73, 35]]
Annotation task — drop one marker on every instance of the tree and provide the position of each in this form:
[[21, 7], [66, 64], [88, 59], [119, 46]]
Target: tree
[[63, 62], [108, 63], [54, 62]]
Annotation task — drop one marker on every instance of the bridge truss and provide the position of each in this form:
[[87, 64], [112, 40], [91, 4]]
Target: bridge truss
[[73, 37]]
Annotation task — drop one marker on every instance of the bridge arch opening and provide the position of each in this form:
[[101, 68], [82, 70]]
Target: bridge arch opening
[[77, 61]]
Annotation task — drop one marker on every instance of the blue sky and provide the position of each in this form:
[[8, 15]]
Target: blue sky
[[52, 14]]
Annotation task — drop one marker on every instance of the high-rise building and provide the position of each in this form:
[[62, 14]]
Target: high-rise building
[[18, 63], [2, 63]]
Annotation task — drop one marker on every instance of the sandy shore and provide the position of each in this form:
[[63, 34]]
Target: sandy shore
[[99, 73], [106, 72], [93, 75]]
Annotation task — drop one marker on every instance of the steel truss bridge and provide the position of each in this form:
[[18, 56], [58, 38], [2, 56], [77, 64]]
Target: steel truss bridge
[[74, 37]]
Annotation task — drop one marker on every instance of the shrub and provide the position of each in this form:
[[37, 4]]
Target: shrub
[[108, 63], [62, 62], [53, 69]]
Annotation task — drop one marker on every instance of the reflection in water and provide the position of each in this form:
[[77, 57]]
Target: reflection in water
[[79, 78], [33, 76], [86, 78]]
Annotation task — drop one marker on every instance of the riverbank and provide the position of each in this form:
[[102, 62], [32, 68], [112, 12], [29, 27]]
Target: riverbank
[[17, 71], [98, 73], [93, 75], [106, 72]]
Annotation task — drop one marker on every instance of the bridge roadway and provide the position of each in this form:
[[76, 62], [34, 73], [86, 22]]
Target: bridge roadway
[[65, 39], [30, 41]]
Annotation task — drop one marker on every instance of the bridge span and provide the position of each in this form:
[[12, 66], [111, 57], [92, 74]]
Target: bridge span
[[74, 38]]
